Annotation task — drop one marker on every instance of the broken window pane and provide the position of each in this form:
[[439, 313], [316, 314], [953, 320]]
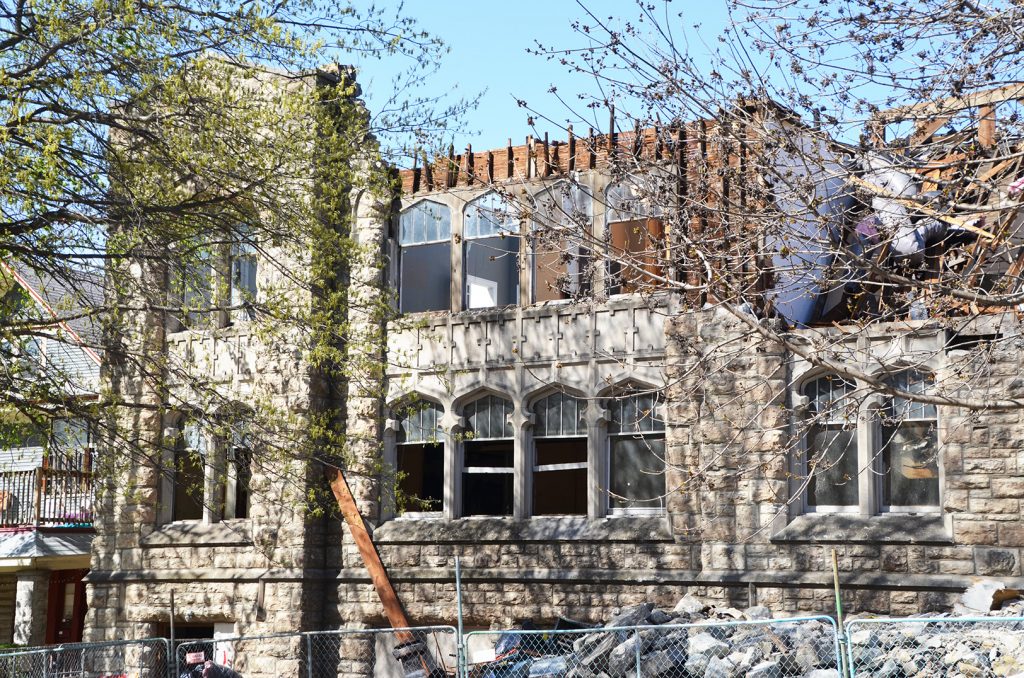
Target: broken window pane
[[910, 446], [562, 222], [425, 269], [831, 462], [420, 462]]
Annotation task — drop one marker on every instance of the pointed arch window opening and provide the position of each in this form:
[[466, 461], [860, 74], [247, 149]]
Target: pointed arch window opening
[[424, 240], [420, 458], [636, 234], [562, 224], [832, 457], [636, 451], [490, 255], [560, 456], [488, 458]]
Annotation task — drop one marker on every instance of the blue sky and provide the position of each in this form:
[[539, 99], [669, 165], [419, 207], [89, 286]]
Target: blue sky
[[488, 42]]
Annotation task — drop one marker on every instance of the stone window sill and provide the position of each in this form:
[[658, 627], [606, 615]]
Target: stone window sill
[[198, 533], [891, 528], [481, 529]]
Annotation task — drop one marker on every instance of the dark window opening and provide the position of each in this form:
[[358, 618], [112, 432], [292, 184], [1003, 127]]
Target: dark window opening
[[637, 472], [189, 473], [560, 477], [487, 478], [421, 472]]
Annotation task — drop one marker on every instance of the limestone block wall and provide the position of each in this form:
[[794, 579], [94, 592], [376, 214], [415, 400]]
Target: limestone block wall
[[734, 529]]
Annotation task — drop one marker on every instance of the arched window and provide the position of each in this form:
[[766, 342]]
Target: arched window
[[491, 253], [487, 461], [420, 461], [238, 458], [831, 455], [560, 456], [636, 238], [562, 221], [636, 464], [910, 446], [424, 237]]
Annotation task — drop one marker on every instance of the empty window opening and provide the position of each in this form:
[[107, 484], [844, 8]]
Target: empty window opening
[[562, 223], [560, 456], [491, 253], [189, 472], [420, 461], [636, 240], [831, 461], [910, 468], [488, 452], [426, 270], [637, 454], [237, 494]]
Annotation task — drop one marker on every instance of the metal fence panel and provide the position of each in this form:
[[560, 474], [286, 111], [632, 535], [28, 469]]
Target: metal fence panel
[[771, 648], [982, 647], [115, 659], [279, 654], [383, 653]]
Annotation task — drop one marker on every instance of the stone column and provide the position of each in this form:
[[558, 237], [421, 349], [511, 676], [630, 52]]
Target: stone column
[[30, 604]]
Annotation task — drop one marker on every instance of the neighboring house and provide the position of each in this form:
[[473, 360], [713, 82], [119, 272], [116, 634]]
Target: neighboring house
[[575, 439], [46, 491]]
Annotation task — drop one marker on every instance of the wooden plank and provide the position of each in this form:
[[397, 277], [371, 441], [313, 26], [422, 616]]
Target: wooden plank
[[987, 126], [930, 108], [368, 551]]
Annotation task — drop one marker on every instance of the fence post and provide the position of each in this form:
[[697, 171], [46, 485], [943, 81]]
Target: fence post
[[636, 645], [309, 655]]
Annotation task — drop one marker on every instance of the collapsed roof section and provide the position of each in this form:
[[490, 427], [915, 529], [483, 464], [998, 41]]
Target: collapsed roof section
[[764, 210]]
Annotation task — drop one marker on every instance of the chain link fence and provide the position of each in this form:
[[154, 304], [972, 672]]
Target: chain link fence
[[424, 652], [756, 649], [979, 647], [116, 659], [805, 647]]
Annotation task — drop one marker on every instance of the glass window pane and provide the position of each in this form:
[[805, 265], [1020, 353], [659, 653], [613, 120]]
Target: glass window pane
[[426, 277], [488, 454], [188, 485], [425, 221], [420, 423], [489, 215], [910, 460], [832, 466], [637, 473]]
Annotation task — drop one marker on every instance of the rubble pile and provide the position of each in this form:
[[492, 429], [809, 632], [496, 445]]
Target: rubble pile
[[763, 650]]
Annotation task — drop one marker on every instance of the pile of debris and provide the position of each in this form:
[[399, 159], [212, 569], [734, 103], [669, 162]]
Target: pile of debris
[[656, 647]]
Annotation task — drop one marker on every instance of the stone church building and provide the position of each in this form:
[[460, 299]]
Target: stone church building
[[581, 437]]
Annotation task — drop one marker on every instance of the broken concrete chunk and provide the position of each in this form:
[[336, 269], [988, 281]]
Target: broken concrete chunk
[[631, 616], [661, 662], [707, 644], [689, 605], [766, 669], [549, 667], [718, 668], [758, 612], [659, 617]]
